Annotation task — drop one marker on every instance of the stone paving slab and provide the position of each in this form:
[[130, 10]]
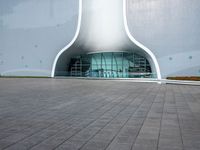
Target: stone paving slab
[[71, 114]]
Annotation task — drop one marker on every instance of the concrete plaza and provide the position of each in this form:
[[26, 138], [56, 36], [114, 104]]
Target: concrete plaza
[[72, 114]]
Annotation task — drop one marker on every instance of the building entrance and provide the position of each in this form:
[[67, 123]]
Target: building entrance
[[110, 65]]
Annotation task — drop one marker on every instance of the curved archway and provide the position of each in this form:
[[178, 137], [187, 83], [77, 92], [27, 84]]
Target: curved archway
[[157, 68], [141, 48], [71, 43]]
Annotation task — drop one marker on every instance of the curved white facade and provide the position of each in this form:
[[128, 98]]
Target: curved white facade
[[102, 27], [32, 33]]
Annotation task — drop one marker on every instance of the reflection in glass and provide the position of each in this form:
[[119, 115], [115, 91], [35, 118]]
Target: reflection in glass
[[109, 65]]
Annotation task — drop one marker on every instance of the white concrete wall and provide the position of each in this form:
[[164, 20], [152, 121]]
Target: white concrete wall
[[170, 28], [32, 32]]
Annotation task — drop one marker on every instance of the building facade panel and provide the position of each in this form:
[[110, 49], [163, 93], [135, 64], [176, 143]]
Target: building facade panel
[[170, 29], [32, 33]]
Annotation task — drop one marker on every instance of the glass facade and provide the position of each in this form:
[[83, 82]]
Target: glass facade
[[109, 65]]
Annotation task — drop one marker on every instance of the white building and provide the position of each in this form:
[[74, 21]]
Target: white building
[[100, 38]]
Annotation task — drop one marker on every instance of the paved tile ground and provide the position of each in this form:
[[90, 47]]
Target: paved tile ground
[[69, 114]]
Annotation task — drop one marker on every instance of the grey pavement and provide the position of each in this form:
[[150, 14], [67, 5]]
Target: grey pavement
[[77, 114]]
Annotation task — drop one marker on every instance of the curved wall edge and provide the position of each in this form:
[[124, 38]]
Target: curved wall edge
[[148, 51], [138, 43], [71, 43]]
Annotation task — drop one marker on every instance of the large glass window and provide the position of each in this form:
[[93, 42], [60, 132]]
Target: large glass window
[[110, 65]]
